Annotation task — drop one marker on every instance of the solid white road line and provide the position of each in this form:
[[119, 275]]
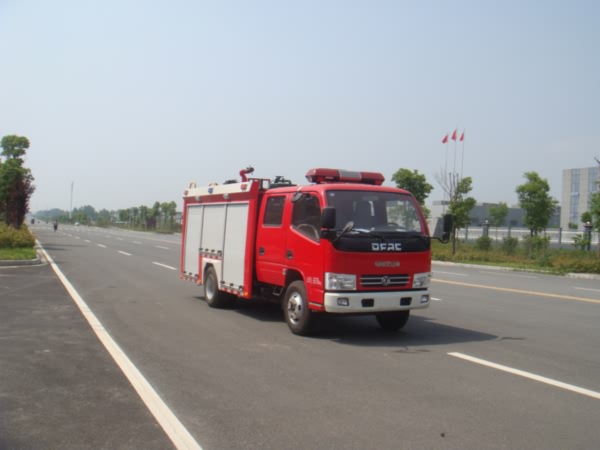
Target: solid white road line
[[513, 275], [179, 435], [161, 247], [518, 291], [587, 289], [101, 245], [137, 242], [88, 241], [124, 253], [164, 265], [435, 272], [436, 299], [529, 375]]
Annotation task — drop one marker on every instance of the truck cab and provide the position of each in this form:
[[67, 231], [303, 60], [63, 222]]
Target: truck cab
[[344, 245]]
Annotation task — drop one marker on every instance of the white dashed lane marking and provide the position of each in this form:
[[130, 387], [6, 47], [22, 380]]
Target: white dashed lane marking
[[531, 376], [164, 265]]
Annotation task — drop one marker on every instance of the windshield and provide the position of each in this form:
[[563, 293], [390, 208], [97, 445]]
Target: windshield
[[376, 211]]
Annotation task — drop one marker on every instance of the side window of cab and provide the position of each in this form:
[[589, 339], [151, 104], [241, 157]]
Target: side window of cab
[[306, 217], [274, 211]]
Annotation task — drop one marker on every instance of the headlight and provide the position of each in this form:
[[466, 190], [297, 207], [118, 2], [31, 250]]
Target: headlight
[[421, 280], [340, 282]]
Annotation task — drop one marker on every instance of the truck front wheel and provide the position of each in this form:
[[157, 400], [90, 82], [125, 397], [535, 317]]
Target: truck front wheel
[[392, 321], [213, 296], [295, 309]]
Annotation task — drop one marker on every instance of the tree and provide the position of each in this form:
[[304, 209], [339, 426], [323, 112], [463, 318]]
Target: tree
[[154, 215], [414, 182], [460, 207], [14, 147], [498, 214], [16, 181], [537, 203], [134, 215], [123, 215], [144, 214], [595, 215], [103, 218], [169, 209], [586, 217]]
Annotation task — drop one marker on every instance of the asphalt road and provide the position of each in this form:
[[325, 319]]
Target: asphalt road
[[500, 360]]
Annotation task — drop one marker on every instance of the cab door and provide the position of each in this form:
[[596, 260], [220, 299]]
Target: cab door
[[303, 245], [271, 238]]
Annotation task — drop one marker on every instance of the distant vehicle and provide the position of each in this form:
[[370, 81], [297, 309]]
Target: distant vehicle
[[76, 224], [343, 244]]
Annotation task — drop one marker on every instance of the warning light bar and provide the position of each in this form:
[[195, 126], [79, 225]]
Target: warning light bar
[[320, 176]]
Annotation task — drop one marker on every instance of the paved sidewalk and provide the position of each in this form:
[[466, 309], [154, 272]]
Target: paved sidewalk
[[59, 388]]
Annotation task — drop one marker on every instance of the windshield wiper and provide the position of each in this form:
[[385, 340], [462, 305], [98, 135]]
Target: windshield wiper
[[415, 234], [349, 228]]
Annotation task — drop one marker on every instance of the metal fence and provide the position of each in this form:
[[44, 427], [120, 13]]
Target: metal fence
[[558, 236]]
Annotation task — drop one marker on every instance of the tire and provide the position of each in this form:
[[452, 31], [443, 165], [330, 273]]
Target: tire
[[392, 321], [295, 309], [213, 296]]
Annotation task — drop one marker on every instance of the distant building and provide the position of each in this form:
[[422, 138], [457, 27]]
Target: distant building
[[577, 187]]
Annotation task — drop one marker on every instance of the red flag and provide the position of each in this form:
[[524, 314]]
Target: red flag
[[454, 135], [445, 140], [462, 136]]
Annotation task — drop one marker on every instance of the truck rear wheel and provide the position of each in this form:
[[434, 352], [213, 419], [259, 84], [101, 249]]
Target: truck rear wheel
[[295, 309], [392, 321], [213, 296]]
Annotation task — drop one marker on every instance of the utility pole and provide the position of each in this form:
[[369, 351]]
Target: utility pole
[[71, 207]]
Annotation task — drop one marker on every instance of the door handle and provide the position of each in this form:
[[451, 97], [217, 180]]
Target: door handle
[[289, 254], [261, 251]]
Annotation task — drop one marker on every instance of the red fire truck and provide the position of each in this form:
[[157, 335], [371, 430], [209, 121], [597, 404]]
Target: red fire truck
[[343, 244]]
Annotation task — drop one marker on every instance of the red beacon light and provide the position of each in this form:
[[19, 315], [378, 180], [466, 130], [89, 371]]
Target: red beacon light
[[320, 176]]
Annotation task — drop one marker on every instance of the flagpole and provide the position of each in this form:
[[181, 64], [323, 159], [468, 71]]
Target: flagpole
[[445, 141], [454, 138], [462, 161], [71, 206], [446, 168]]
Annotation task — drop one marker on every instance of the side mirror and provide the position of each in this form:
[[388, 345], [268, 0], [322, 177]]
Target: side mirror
[[447, 223], [328, 217], [447, 227]]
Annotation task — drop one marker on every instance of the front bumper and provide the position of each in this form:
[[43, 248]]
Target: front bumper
[[368, 302]]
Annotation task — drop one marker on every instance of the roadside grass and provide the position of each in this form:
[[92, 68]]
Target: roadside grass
[[17, 254], [16, 244], [551, 260]]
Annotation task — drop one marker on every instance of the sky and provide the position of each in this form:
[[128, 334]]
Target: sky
[[129, 101]]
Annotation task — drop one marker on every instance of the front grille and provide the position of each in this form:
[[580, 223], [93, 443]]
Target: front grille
[[368, 281]]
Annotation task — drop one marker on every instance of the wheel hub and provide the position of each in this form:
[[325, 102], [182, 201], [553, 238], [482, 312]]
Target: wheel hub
[[295, 308]]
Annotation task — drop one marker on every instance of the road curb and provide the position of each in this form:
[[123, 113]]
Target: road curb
[[585, 276], [39, 260]]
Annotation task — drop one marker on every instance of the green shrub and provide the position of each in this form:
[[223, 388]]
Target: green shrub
[[581, 241], [509, 245], [16, 238], [537, 246], [484, 243]]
